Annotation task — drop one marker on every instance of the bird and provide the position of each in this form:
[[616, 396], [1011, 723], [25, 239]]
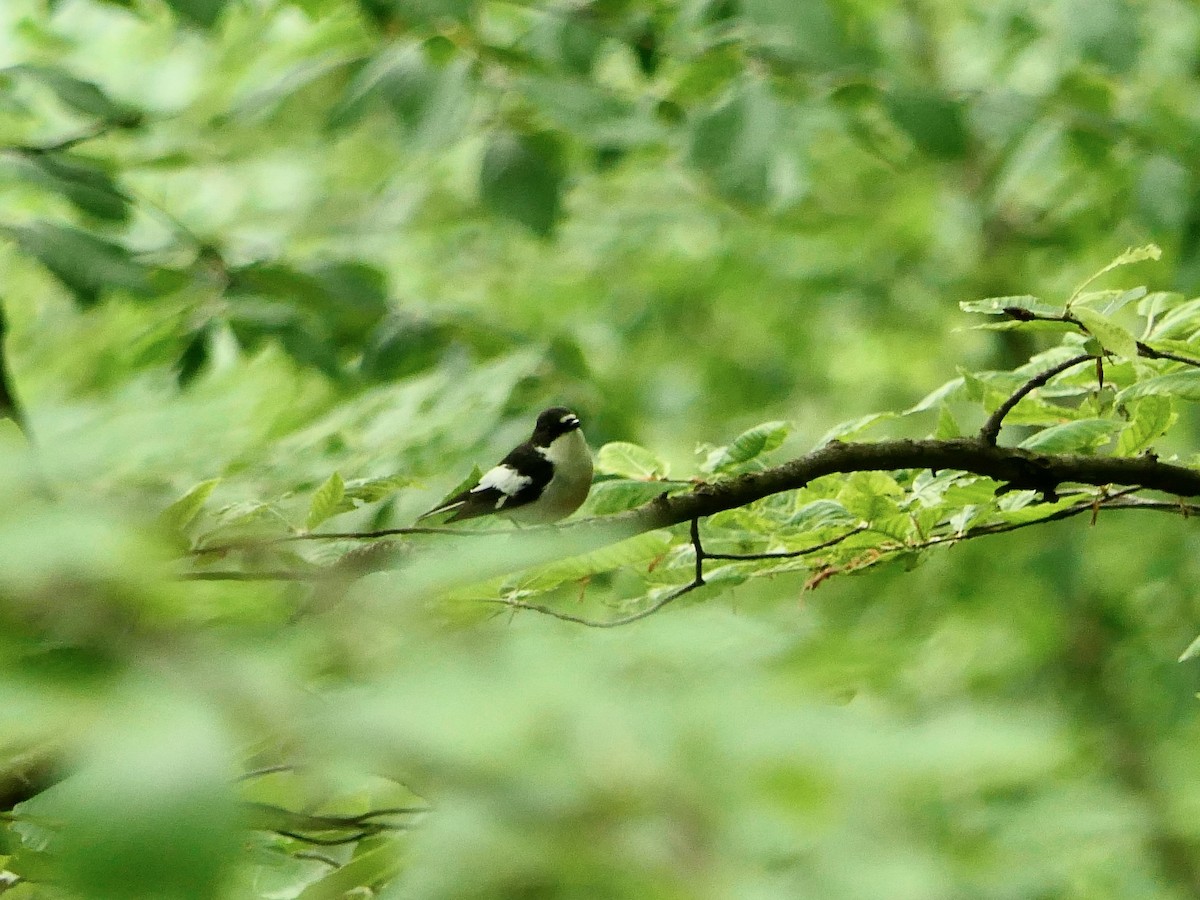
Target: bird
[[542, 480]]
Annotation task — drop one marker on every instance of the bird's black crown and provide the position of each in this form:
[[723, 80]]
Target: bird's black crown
[[555, 421]]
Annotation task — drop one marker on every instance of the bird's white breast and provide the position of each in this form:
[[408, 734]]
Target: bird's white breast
[[571, 482]]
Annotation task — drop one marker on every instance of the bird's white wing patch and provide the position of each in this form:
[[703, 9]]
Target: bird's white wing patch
[[505, 479]]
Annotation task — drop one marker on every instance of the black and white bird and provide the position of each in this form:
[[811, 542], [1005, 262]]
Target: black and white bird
[[542, 480]]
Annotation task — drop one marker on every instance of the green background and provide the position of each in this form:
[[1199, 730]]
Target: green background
[[300, 237]]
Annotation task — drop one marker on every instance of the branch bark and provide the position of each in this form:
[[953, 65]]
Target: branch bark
[[1015, 468], [504, 552]]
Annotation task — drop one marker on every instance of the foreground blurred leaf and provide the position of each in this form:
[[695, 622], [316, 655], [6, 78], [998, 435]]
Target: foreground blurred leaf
[[733, 144], [89, 187], [521, 178], [198, 12], [83, 96], [164, 776], [86, 264]]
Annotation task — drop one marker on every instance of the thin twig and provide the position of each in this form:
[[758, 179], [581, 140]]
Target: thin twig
[[991, 428], [332, 536], [264, 575], [98, 130], [324, 842], [1150, 353], [696, 582], [266, 770], [790, 554]]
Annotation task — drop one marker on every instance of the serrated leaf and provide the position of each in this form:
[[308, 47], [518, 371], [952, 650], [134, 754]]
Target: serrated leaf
[[995, 306], [180, 514], [329, 500], [1109, 302], [1131, 255], [372, 490], [869, 495], [1150, 418], [1179, 321], [521, 179], [1156, 303], [853, 428], [1112, 337], [821, 514], [641, 548], [1082, 436], [746, 446], [629, 461], [1184, 385], [947, 427], [609, 497], [951, 390], [757, 440]]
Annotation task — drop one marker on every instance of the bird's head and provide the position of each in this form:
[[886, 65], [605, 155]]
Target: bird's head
[[554, 422]]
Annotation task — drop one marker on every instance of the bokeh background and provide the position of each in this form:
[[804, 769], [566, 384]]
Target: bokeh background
[[248, 243]]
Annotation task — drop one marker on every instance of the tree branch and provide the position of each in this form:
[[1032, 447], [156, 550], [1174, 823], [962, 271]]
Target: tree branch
[[1014, 468], [991, 428]]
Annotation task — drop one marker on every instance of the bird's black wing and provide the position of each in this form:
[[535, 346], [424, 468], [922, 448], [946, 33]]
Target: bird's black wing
[[518, 479]]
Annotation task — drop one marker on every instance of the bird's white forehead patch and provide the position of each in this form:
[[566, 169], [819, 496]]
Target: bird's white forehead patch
[[569, 418], [505, 479]]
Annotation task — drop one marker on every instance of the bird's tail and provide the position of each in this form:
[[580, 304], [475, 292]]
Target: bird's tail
[[445, 507]]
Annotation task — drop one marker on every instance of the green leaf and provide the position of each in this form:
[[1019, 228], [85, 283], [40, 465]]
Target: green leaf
[[367, 870], [1179, 321], [934, 121], [522, 179], [1082, 436], [1109, 302], [1112, 337], [1149, 419], [629, 461], [995, 306], [609, 497], [82, 96], [821, 514], [746, 446], [165, 779], [87, 186], [1185, 385], [329, 500], [430, 99], [853, 428], [198, 12], [870, 495], [86, 264], [180, 514], [734, 143], [947, 427], [372, 490], [629, 552], [758, 440], [1131, 255]]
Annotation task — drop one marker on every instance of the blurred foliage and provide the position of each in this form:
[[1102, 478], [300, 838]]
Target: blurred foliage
[[280, 265]]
